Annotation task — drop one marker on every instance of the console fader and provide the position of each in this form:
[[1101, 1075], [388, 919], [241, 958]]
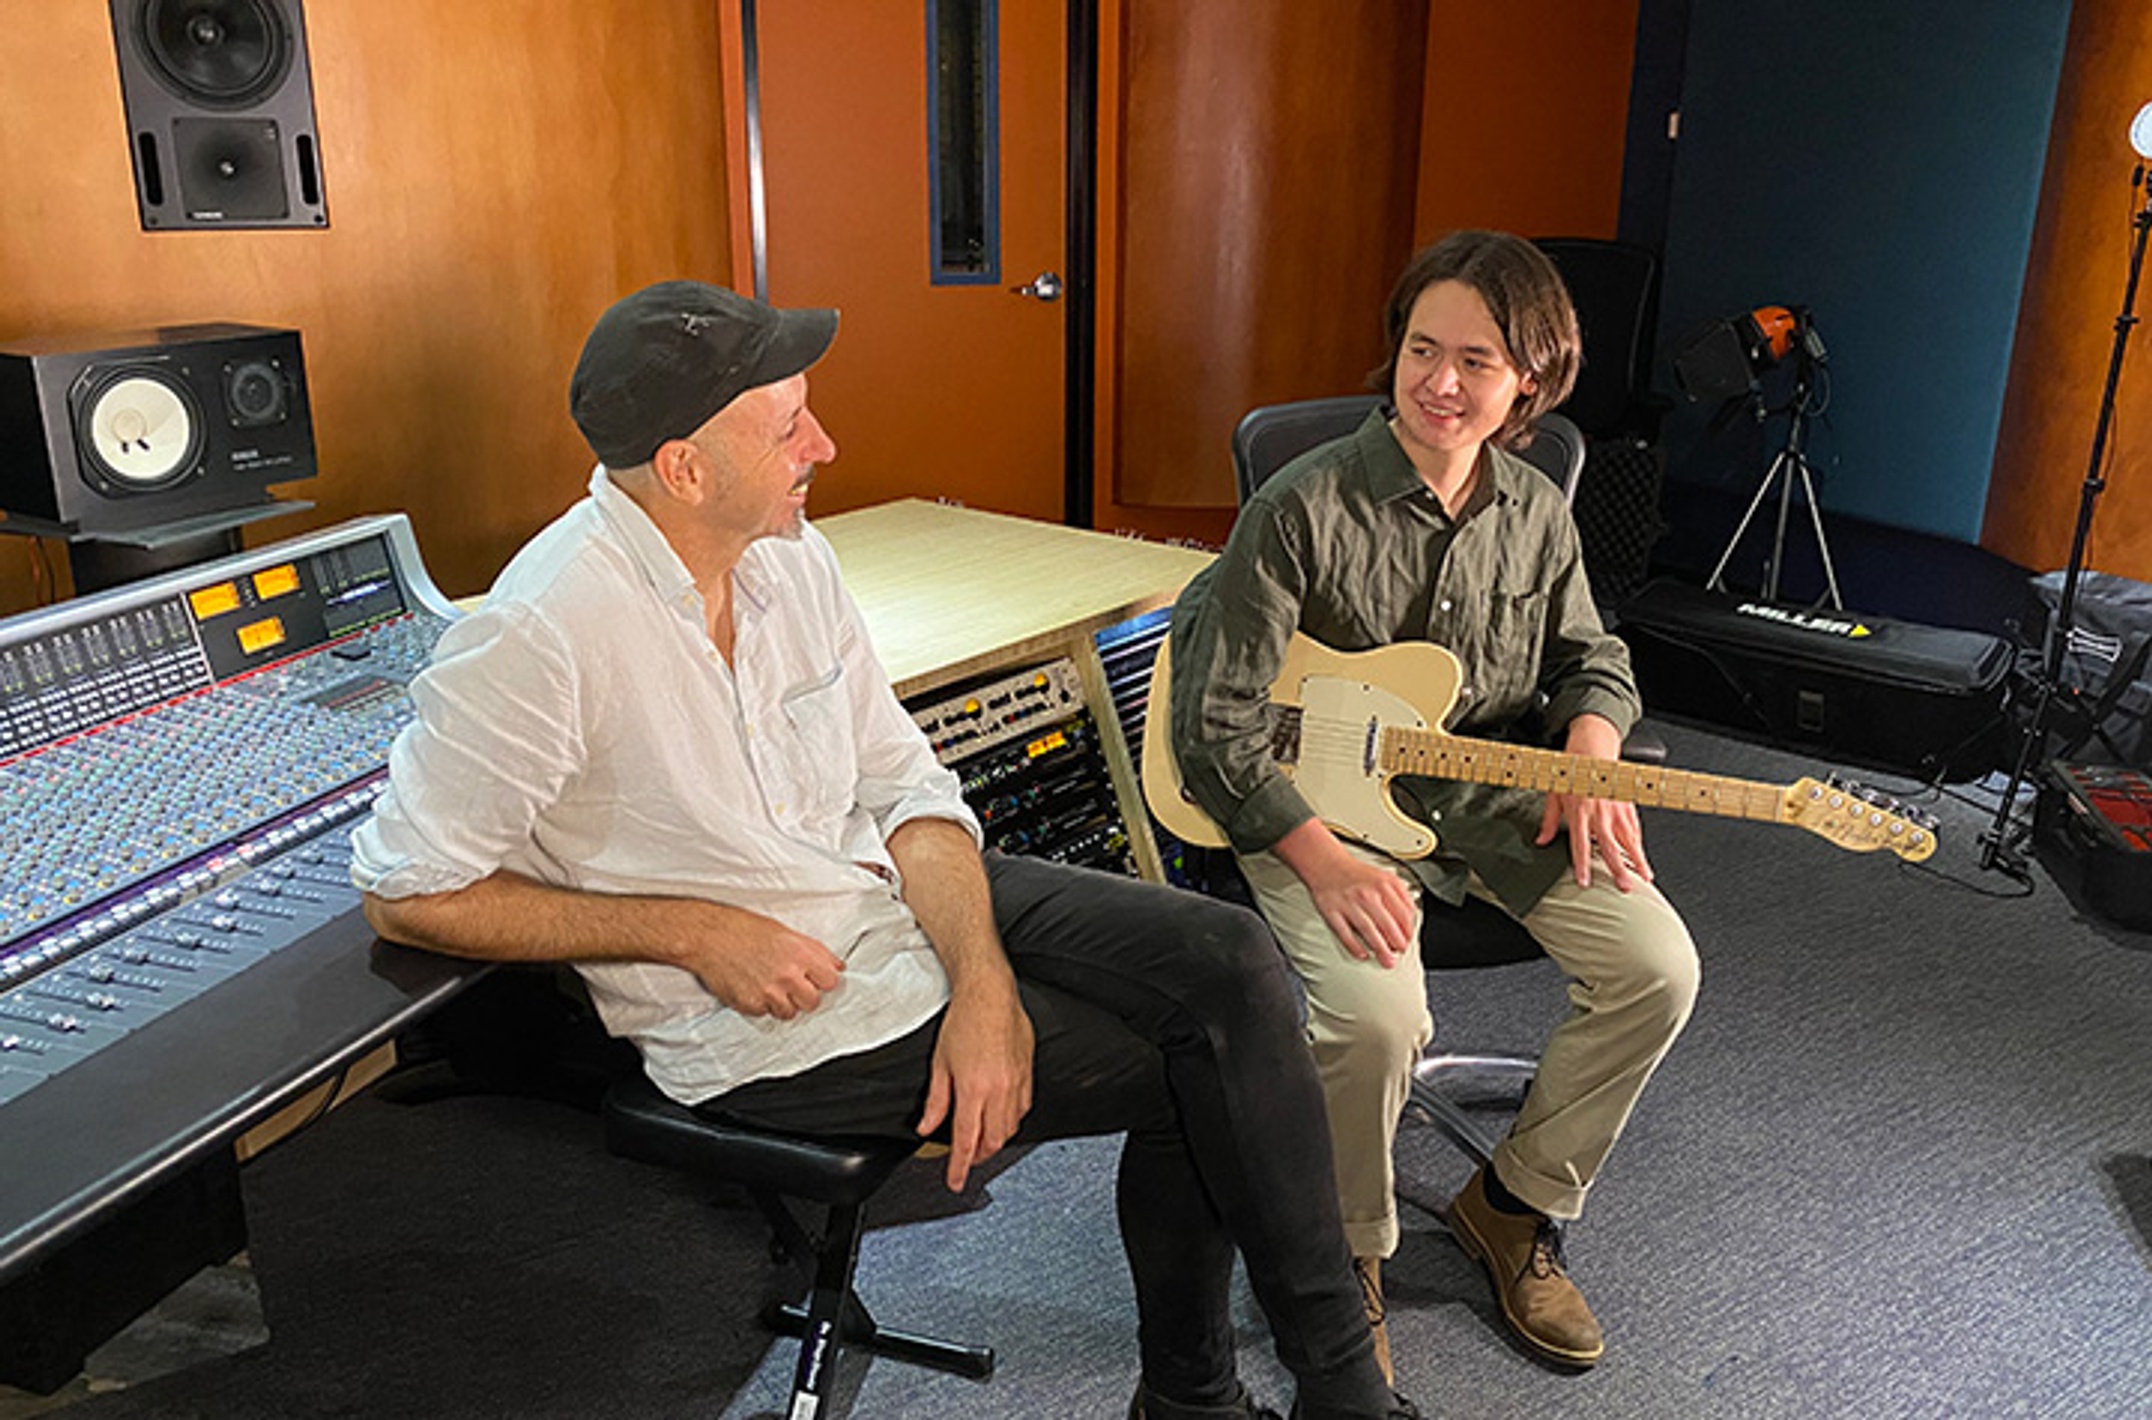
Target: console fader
[[181, 762]]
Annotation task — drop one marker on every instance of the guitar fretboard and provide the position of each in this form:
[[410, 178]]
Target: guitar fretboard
[[1438, 756]]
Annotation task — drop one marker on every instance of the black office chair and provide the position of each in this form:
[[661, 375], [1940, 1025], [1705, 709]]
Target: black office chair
[[1475, 933], [1271, 437], [1615, 287], [841, 1174]]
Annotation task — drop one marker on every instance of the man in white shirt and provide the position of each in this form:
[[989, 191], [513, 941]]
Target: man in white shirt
[[663, 750]]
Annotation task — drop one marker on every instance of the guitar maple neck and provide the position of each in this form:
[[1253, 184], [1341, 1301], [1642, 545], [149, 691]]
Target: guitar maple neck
[[1440, 756]]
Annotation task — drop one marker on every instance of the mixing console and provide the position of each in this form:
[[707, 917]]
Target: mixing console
[[180, 764]]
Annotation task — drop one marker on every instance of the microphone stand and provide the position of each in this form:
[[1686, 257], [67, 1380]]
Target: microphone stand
[[2000, 846]]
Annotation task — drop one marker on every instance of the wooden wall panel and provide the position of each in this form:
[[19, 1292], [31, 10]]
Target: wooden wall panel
[[1525, 118], [497, 172], [2066, 320], [1268, 157], [1205, 526]]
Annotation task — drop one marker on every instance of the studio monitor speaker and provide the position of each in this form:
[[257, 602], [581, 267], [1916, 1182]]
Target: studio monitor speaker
[[115, 433], [220, 113]]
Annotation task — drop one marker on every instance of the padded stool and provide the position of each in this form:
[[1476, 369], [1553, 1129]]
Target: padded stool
[[642, 1123]]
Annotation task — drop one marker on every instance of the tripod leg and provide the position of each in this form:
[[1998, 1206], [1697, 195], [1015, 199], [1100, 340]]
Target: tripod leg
[[1815, 518], [1775, 568], [1716, 582]]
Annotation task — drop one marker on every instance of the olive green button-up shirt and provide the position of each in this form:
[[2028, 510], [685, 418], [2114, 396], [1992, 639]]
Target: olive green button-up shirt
[[1347, 545]]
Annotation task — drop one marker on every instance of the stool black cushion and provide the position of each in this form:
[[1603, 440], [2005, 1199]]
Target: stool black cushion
[[643, 1123]]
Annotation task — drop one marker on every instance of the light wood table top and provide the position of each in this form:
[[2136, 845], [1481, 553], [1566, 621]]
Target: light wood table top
[[951, 591]]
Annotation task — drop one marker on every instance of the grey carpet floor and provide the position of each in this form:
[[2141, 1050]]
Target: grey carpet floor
[[1899, 1166]]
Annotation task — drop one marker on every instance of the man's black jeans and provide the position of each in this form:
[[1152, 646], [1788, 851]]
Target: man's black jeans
[[1174, 1017]]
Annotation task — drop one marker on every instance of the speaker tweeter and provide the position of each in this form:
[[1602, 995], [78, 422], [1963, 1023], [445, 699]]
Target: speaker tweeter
[[220, 105]]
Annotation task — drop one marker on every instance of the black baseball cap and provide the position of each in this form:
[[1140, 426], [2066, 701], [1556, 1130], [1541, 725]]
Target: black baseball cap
[[659, 363]]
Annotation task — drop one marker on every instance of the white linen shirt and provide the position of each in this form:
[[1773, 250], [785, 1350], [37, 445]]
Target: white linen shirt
[[580, 728]]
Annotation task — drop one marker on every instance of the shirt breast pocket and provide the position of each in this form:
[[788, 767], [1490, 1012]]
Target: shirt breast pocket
[[1515, 626], [819, 714]]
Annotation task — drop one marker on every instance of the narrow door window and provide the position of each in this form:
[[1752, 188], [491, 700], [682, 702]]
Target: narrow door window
[[962, 140]]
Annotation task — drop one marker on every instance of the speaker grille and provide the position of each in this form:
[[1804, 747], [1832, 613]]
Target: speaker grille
[[217, 53]]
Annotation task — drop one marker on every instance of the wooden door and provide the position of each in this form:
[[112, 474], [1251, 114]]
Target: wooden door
[[1269, 151], [932, 390]]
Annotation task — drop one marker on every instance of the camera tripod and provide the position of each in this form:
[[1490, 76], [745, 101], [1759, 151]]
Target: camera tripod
[[1790, 464]]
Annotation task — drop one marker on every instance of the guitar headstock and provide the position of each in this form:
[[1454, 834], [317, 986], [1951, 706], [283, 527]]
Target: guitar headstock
[[1858, 818]]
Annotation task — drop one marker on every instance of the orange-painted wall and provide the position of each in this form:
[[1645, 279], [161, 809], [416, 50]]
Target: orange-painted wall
[[1525, 111], [2065, 333]]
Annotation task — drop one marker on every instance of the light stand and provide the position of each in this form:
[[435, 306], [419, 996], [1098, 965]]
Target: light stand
[[2000, 845], [1790, 464]]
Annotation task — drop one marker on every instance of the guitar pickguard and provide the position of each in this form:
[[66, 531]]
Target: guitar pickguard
[[1339, 767]]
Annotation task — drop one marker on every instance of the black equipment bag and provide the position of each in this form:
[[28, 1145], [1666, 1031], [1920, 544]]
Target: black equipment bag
[[2104, 665], [1919, 700]]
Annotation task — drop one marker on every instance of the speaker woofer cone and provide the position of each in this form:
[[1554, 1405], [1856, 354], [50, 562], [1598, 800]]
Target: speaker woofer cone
[[137, 428], [217, 53]]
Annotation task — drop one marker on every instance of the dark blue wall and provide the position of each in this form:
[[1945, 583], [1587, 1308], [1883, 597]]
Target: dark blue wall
[[1879, 162]]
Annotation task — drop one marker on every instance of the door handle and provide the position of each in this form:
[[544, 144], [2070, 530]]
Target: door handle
[[1046, 286]]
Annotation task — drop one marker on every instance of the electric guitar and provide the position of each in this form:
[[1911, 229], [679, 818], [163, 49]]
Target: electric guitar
[[1343, 724]]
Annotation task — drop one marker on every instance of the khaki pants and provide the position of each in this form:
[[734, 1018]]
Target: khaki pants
[[1632, 979]]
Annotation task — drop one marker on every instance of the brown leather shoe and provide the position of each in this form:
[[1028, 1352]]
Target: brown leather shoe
[[1523, 1258], [1369, 1272]]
